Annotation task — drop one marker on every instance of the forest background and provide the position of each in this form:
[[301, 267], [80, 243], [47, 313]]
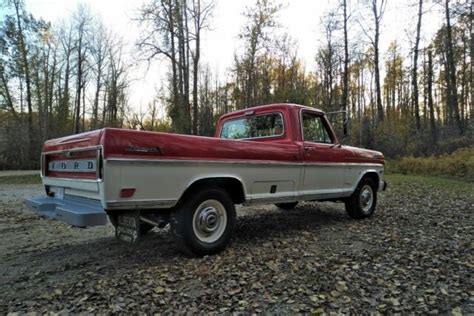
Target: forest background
[[74, 76]]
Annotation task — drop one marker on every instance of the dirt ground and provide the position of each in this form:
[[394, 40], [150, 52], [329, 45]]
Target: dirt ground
[[414, 255]]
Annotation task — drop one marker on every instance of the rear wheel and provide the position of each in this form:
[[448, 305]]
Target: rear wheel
[[361, 204], [204, 221], [286, 206]]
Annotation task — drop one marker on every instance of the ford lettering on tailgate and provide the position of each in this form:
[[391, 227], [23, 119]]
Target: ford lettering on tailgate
[[83, 165]]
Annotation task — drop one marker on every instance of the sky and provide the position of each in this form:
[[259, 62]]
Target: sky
[[301, 19]]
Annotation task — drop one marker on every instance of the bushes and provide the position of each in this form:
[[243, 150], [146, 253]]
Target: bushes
[[459, 164]]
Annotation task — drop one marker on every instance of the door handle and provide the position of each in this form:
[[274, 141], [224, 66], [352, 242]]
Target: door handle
[[306, 148]]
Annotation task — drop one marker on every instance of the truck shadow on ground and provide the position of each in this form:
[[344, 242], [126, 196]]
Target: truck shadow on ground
[[257, 226], [311, 217], [68, 262], [157, 246]]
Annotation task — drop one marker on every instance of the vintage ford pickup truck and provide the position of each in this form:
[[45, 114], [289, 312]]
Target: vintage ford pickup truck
[[279, 153]]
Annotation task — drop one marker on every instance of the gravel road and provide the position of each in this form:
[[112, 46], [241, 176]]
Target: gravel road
[[414, 255]]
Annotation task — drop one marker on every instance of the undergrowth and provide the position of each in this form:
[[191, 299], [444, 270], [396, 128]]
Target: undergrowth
[[459, 164]]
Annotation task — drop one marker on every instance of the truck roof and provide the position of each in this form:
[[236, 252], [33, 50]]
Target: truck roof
[[270, 107]]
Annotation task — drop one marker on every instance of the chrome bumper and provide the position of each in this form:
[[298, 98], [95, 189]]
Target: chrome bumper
[[72, 210]]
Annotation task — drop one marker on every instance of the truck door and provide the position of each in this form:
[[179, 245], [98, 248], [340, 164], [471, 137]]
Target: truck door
[[323, 172]]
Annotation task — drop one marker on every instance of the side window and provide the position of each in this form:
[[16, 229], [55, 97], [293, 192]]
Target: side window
[[258, 126], [314, 129], [236, 129], [268, 125]]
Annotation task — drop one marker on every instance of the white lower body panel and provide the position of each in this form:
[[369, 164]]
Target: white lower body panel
[[161, 183]]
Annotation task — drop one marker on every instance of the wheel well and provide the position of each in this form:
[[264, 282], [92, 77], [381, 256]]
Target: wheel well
[[231, 185], [372, 176]]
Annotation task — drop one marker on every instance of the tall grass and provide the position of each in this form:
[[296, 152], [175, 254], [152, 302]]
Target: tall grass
[[459, 164]]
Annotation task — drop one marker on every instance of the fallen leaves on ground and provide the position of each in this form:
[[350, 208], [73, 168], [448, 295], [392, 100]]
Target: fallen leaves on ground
[[414, 255]]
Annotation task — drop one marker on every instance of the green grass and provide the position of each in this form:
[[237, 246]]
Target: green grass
[[26, 179], [438, 182]]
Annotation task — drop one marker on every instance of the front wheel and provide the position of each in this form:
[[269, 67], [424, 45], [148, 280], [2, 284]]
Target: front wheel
[[204, 221], [361, 204]]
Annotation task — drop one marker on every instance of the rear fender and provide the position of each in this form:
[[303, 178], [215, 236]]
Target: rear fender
[[219, 180]]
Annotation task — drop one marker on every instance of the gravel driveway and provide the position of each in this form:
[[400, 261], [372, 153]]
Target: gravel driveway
[[414, 255]]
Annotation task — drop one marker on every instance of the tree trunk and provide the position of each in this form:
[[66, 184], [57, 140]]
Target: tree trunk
[[187, 105], [26, 70], [197, 54], [78, 88], [345, 91], [378, 92], [452, 96], [415, 68], [173, 54], [430, 97]]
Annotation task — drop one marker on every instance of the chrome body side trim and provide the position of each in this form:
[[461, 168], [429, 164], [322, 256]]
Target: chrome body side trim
[[90, 148], [238, 162], [86, 185], [140, 204], [48, 179]]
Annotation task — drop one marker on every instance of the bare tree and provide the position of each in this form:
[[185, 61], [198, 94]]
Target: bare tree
[[429, 89], [200, 15], [116, 84], [377, 8], [345, 91], [99, 52], [260, 20], [19, 15], [415, 94], [327, 59], [82, 20], [451, 89], [65, 37], [166, 35], [378, 12]]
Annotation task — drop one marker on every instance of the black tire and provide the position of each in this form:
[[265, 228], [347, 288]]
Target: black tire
[[144, 227], [204, 221], [361, 204], [286, 206]]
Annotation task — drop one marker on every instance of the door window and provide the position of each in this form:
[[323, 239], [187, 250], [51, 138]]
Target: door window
[[314, 129]]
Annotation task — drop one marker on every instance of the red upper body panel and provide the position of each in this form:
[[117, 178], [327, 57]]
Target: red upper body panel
[[130, 144], [87, 139]]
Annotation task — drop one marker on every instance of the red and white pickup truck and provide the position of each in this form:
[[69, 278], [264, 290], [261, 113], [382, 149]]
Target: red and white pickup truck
[[279, 153]]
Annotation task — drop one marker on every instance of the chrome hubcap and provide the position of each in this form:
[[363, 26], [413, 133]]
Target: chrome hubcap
[[209, 221], [366, 198]]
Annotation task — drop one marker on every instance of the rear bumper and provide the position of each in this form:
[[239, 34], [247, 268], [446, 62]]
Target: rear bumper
[[74, 211], [383, 185]]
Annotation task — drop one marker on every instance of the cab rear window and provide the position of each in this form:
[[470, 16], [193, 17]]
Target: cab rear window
[[257, 126]]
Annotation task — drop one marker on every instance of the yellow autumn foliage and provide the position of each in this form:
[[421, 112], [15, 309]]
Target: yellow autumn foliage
[[459, 164]]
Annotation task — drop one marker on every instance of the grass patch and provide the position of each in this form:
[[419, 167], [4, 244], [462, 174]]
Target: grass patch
[[459, 164], [25, 179], [430, 181]]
